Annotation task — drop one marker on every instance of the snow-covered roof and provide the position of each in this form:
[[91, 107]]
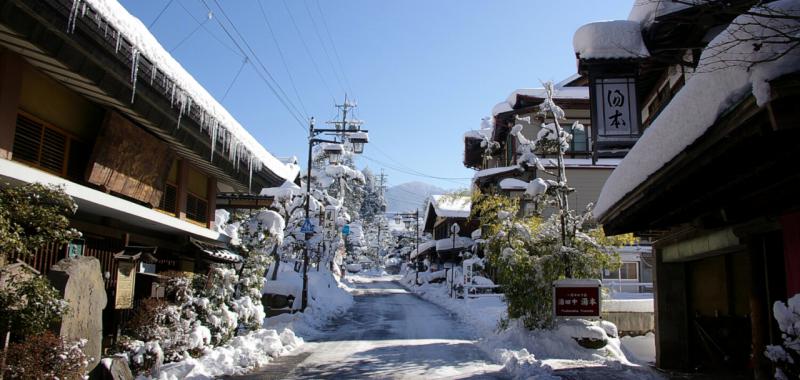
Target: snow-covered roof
[[423, 247], [188, 91], [286, 190], [479, 134], [580, 92], [717, 85], [617, 39], [645, 11], [513, 184], [447, 243], [495, 171], [500, 108], [450, 206], [582, 162]]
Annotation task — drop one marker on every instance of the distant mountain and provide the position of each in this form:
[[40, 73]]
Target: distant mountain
[[410, 196]]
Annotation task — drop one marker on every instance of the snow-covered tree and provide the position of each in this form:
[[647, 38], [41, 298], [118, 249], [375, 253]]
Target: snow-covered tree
[[530, 252], [786, 355]]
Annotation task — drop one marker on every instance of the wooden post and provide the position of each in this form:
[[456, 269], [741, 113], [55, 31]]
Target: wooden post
[[183, 183], [10, 87], [759, 318], [212, 201]]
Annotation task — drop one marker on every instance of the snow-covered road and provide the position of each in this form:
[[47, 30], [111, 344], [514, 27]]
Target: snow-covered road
[[390, 333]]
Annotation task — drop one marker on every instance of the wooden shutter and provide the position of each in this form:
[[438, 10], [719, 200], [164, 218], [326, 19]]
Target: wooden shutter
[[41, 145]]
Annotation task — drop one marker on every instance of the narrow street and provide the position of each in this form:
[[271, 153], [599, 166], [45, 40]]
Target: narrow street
[[388, 333]]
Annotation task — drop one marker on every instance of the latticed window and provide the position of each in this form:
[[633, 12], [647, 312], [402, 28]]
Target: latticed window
[[196, 209], [43, 146], [169, 199]]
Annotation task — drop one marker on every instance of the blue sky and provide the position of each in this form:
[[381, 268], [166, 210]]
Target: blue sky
[[422, 71]]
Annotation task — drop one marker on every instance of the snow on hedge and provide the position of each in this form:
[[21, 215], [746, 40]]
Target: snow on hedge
[[188, 92], [723, 77], [617, 39]]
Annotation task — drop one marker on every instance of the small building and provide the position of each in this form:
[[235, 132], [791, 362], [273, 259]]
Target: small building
[[90, 101], [447, 220]]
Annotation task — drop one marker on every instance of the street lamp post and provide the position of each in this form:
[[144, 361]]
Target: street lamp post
[[334, 152]]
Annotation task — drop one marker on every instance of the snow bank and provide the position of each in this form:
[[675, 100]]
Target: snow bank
[[722, 79], [241, 355], [188, 92], [328, 298], [617, 39], [640, 349], [536, 354]]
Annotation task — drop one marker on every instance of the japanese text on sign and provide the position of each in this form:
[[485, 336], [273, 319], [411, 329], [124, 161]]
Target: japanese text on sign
[[615, 102], [576, 300]]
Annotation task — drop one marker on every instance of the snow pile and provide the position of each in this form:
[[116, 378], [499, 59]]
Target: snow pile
[[536, 354], [617, 39], [285, 191], [787, 355], [723, 77], [640, 349], [222, 225], [450, 243], [241, 355], [187, 92], [328, 298]]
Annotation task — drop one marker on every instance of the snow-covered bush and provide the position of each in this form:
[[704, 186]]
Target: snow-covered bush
[[786, 356], [47, 356], [213, 301]]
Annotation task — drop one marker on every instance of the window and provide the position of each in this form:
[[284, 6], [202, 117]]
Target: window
[[196, 209], [169, 199], [47, 148], [628, 271]]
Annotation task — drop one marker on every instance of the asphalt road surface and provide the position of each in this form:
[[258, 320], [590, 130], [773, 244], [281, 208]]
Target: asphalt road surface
[[388, 334]]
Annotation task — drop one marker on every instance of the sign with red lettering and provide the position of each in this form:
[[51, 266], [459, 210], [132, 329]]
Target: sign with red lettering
[[576, 298]]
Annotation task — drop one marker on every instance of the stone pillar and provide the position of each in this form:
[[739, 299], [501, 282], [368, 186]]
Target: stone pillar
[[80, 281], [672, 314], [10, 87]]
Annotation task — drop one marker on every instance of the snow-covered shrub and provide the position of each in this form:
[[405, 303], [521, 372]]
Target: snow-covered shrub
[[47, 356], [30, 305], [144, 358], [213, 300], [787, 355]]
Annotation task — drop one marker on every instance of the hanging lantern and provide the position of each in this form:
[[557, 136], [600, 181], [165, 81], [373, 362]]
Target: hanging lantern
[[407, 223], [358, 139], [334, 153], [398, 219]]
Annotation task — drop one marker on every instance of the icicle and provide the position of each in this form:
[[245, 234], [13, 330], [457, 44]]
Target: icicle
[[73, 16], [119, 39], [202, 121], [250, 178], [105, 30], [83, 10], [182, 108], [172, 96], [213, 139], [153, 73], [134, 71]]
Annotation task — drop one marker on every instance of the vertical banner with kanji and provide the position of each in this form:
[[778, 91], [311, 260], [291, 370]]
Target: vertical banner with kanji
[[616, 111]]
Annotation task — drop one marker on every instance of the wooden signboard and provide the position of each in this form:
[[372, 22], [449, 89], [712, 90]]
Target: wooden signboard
[[129, 161], [577, 298], [126, 277]]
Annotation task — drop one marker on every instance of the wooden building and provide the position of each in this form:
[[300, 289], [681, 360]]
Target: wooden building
[[138, 144], [442, 213], [714, 184]]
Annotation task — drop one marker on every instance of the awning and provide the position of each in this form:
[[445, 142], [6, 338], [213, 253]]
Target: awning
[[424, 249], [216, 252], [134, 252]]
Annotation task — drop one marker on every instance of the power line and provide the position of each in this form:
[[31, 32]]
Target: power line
[[285, 102], [308, 51], [159, 14], [335, 50], [230, 86], [213, 35], [283, 59], [188, 36], [456, 180], [322, 43]]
